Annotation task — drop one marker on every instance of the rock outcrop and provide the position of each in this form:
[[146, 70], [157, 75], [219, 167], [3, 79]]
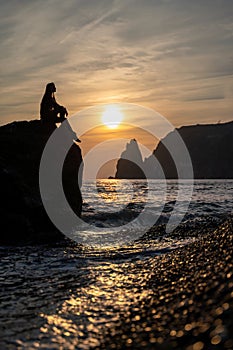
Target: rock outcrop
[[130, 164], [210, 148], [23, 217]]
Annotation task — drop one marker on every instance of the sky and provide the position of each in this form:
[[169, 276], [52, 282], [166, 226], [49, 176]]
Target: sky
[[174, 56]]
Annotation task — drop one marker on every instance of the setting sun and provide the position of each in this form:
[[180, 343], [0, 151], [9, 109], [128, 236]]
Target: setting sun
[[112, 116]]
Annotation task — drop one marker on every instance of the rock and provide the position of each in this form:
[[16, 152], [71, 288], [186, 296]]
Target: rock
[[23, 217], [210, 148], [130, 164]]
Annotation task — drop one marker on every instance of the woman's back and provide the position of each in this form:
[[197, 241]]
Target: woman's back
[[49, 106]]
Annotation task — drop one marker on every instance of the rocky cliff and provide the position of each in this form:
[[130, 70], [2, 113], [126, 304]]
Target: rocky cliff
[[23, 218], [210, 148], [130, 164]]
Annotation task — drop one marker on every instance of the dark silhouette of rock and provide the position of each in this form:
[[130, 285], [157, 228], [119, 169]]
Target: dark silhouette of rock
[[130, 164], [23, 218], [210, 148]]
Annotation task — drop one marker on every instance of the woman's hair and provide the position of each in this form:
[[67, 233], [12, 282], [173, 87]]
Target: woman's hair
[[50, 88]]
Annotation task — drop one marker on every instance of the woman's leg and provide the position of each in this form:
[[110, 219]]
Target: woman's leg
[[67, 124], [62, 113]]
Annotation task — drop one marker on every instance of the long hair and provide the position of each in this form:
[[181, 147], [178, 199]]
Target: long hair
[[48, 101], [49, 89]]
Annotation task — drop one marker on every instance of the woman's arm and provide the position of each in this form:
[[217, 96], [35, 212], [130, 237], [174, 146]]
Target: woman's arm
[[58, 108]]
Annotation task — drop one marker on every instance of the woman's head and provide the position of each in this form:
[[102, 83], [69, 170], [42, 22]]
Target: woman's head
[[50, 88]]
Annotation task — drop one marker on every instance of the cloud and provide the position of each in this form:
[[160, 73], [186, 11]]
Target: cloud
[[155, 53]]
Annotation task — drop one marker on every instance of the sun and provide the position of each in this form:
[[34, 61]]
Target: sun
[[112, 116]]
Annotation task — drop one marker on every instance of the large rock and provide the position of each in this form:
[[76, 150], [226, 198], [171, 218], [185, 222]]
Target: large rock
[[210, 148], [23, 218], [130, 164]]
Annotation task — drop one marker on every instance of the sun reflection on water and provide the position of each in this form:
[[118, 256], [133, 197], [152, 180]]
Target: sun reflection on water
[[83, 319], [108, 191]]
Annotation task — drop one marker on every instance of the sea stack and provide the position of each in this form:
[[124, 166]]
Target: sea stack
[[130, 164]]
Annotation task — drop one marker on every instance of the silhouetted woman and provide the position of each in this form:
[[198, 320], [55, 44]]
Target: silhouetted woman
[[50, 111], [49, 108]]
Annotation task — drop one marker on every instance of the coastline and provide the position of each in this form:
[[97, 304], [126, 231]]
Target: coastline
[[63, 297], [191, 305]]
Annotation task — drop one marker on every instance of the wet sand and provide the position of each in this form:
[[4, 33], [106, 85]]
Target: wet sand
[[191, 304]]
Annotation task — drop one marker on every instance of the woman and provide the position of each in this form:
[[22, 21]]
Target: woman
[[51, 112], [49, 108]]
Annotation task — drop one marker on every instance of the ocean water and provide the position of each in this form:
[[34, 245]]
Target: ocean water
[[115, 203], [107, 196], [67, 295]]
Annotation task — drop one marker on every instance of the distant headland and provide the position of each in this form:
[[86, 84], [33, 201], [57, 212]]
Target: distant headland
[[210, 147]]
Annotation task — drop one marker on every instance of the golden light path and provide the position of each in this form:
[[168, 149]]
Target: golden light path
[[112, 116]]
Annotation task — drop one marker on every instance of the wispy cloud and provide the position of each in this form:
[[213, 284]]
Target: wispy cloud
[[164, 54]]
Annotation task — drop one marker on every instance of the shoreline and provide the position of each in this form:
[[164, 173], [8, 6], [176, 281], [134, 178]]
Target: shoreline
[[61, 297], [191, 306]]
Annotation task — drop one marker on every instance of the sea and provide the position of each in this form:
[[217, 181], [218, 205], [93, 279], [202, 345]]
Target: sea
[[66, 295]]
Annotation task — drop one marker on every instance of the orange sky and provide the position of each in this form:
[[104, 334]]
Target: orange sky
[[104, 139], [100, 134]]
